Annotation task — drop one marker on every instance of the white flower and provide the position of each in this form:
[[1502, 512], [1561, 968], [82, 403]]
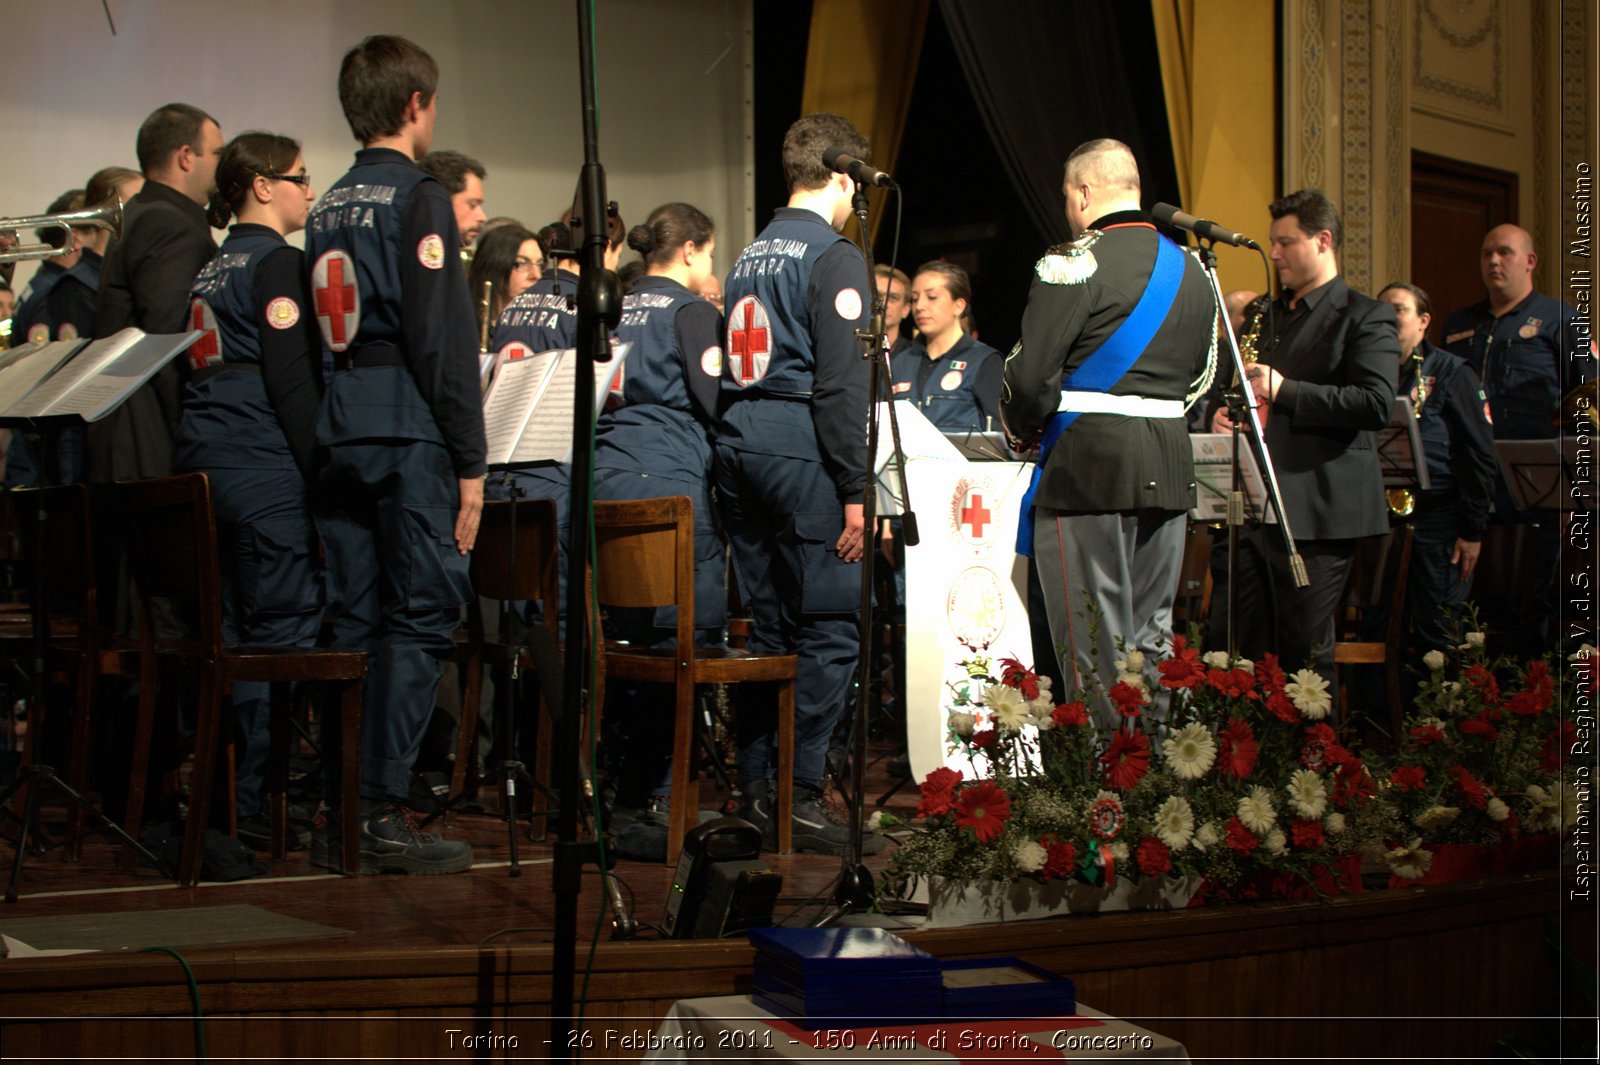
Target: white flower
[[1308, 690], [1276, 842], [875, 822], [1434, 660], [1436, 815], [1497, 809], [1409, 862], [1040, 709], [1044, 687], [1132, 662], [963, 723], [1307, 794], [1207, 836], [1544, 810], [1474, 639], [1334, 823], [1175, 822], [1030, 857], [1006, 705], [1190, 751], [1256, 810], [1433, 722], [1244, 664], [1135, 680], [1215, 659], [1119, 851]]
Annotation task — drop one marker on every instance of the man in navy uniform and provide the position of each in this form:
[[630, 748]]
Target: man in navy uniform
[[1326, 379], [1118, 328], [792, 467], [463, 177], [145, 280], [402, 490], [1528, 350]]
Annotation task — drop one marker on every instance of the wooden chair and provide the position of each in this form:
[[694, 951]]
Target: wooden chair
[[1378, 577], [78, 647], [644, 557], [173, 551], [534, 573]]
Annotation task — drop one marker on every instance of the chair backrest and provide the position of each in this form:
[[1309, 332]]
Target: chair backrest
[[532, 574], [53, 527], [172, 550], [644, 556], [1378, 575]]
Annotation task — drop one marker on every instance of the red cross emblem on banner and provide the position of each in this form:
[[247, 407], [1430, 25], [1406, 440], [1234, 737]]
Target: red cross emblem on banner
[[207, 351], [337, 299], [975, 515], [749, 340]]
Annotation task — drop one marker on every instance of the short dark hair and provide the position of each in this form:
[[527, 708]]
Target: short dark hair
[[1419, 297], [168, 128], [670, 227], [450, 169], [1312, 211], [808, 138], [376, 80], [68, 202], [247, 157]]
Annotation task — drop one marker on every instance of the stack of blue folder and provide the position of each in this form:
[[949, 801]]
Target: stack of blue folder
[[843, 977]]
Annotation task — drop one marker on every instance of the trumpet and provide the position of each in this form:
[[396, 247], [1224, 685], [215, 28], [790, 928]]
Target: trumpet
[[107, 215]]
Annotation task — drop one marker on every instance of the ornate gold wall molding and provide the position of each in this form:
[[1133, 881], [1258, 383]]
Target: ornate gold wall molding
[[1460, 61]]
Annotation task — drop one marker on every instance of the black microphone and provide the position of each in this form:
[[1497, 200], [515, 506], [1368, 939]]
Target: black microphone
[[1169, 215], [842, 162]]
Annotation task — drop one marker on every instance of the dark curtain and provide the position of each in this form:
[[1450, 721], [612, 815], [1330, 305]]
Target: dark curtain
[[1048, 75]]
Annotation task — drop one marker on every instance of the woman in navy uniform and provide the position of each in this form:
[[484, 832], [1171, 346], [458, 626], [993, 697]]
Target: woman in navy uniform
[[654, 442], [509, 260], [953, 380], [249, 423]]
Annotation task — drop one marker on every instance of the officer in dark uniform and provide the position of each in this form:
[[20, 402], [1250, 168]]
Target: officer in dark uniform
[[1528, 350], [57, 305], [792, 466], [655, 441], [1120, 323], [959, 387], [401, 493], [1450, 517], [249, 422]]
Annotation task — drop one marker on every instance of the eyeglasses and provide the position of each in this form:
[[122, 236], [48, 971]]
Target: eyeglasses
[[523, 266], [302, 179]]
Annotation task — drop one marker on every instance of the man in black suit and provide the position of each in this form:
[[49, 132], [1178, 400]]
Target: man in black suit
[[1119, 326], [145, 282], [1324, 384]]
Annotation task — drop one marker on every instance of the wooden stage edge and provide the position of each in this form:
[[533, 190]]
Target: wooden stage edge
[[1419, 974]]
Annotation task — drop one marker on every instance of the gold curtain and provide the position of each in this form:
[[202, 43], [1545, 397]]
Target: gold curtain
[[1218, 72], [861, 62]]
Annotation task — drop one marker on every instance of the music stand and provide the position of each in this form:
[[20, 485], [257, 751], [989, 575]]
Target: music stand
[[1213, 478], [1535, 473], [1399, 447], [84, 382]]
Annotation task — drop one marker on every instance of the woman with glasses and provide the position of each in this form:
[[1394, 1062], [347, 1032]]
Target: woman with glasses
[[249, 422], [509, 260], [654, 441]]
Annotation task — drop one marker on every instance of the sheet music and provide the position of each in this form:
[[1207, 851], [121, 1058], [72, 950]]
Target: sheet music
[[512, 395], [24, 369], [542, 409], [105, 373], [1213, 477]]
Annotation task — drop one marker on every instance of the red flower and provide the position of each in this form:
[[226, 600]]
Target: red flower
[[1013, 674], [1423, 735], [1538, 690], [1282, 708], [1482, 726], [1070, 714], [984, 808], [1270, 674], [1182, 669], [937, 792], [1128, 698], [1351, 781], [1306, 835], [984, 739], [1557, 746], [1234, 683], [1236, 749], [1127, 760], [1471, 790], [1239, 838], [1154, 858], [1488, 688], [1061, 857], [1408, 777]]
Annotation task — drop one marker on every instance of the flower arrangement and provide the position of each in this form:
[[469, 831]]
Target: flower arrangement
[[1479, 761], [1193, 766]]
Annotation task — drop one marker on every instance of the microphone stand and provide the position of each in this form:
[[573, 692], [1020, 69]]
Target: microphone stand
[[599, 311], [1237, 407], [853, 890]]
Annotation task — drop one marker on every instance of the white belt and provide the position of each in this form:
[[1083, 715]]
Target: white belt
[[1128, 406]]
